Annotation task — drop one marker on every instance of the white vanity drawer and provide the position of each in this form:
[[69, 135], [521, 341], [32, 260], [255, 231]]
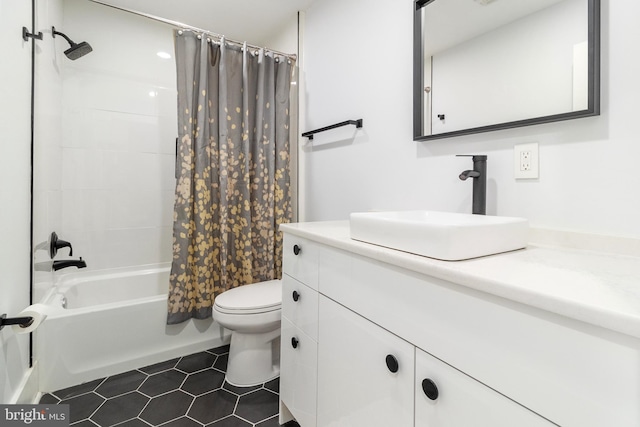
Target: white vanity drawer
[[300, 259], [298, 374], [300, 306]]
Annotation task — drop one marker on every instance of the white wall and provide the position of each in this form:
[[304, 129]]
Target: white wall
[[47, 155], [118, 138], [285, 39], [358, 63], [15, 181]]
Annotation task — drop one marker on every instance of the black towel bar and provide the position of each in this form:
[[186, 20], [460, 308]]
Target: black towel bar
[[310, 134]]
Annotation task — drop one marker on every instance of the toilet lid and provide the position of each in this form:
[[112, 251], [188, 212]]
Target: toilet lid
[[255, 298]]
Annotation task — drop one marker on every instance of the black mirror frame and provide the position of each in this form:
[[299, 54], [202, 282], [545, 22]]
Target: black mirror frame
[[593, 108]]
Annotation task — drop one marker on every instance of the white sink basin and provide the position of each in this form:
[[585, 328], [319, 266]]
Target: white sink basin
[[442, 235]]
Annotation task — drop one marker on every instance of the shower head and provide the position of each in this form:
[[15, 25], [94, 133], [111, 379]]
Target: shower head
[[76, 50]]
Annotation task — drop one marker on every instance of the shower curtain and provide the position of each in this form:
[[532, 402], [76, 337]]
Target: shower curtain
[[232, 171]]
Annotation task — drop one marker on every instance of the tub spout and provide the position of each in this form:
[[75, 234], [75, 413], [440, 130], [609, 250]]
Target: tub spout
[[79, 263]]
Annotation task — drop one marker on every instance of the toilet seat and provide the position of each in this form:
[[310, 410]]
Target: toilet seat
[[255, 298]]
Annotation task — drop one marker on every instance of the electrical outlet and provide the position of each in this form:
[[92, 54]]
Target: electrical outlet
[[525, 158]]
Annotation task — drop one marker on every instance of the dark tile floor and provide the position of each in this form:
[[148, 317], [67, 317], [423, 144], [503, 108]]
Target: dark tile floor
[[185, 392]]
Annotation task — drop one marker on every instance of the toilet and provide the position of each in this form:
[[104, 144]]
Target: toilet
[[252, 314]]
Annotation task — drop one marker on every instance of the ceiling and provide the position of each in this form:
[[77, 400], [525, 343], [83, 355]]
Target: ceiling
[[254, 21]]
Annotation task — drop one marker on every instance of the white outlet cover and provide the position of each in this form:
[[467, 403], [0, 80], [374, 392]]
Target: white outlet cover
[[532, 172]]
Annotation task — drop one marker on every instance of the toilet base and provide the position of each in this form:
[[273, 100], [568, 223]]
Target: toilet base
[[253, 358]]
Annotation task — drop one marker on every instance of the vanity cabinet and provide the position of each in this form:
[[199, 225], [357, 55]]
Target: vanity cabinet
[[487, 360], [299, 337], [368, 377]]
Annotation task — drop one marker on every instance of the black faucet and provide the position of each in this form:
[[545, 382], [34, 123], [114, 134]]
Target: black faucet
[[64, 263], [479, 175]]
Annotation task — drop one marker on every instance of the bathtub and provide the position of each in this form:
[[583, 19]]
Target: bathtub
[[101, 323]]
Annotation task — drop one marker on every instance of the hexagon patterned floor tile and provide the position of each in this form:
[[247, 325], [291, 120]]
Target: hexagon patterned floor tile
[[185, 392]]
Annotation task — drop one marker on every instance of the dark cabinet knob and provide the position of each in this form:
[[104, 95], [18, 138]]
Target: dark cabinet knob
[[296, 296], [392, 363], [296, 249], [294, 342], [430, 389]]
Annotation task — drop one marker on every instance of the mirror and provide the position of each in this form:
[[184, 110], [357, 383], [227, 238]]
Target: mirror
[[484, 65]]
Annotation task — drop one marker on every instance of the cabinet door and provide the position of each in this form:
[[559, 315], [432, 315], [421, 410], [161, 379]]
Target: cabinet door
[[357, 385], [298, 373], [446, 397]]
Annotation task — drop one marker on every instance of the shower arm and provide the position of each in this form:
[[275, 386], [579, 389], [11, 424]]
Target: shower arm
[[54, 32]]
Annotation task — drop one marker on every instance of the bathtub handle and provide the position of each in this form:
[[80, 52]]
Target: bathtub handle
[[55, 244]]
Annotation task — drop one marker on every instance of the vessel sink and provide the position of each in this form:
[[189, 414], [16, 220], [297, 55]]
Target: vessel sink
[[443, 235]]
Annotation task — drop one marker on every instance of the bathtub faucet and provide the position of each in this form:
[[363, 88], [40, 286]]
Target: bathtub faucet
[[64, 263], [55, 243]]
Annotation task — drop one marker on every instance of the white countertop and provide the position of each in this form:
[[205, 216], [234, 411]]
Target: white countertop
[[602, 289]]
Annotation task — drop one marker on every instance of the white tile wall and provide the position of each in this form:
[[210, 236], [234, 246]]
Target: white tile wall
[[47, 154], [118, 143]]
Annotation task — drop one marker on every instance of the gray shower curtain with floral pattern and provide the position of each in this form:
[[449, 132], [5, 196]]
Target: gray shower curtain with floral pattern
[[232, 171]]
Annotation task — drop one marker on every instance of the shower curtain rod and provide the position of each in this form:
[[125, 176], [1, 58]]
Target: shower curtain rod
[[181, 26]]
